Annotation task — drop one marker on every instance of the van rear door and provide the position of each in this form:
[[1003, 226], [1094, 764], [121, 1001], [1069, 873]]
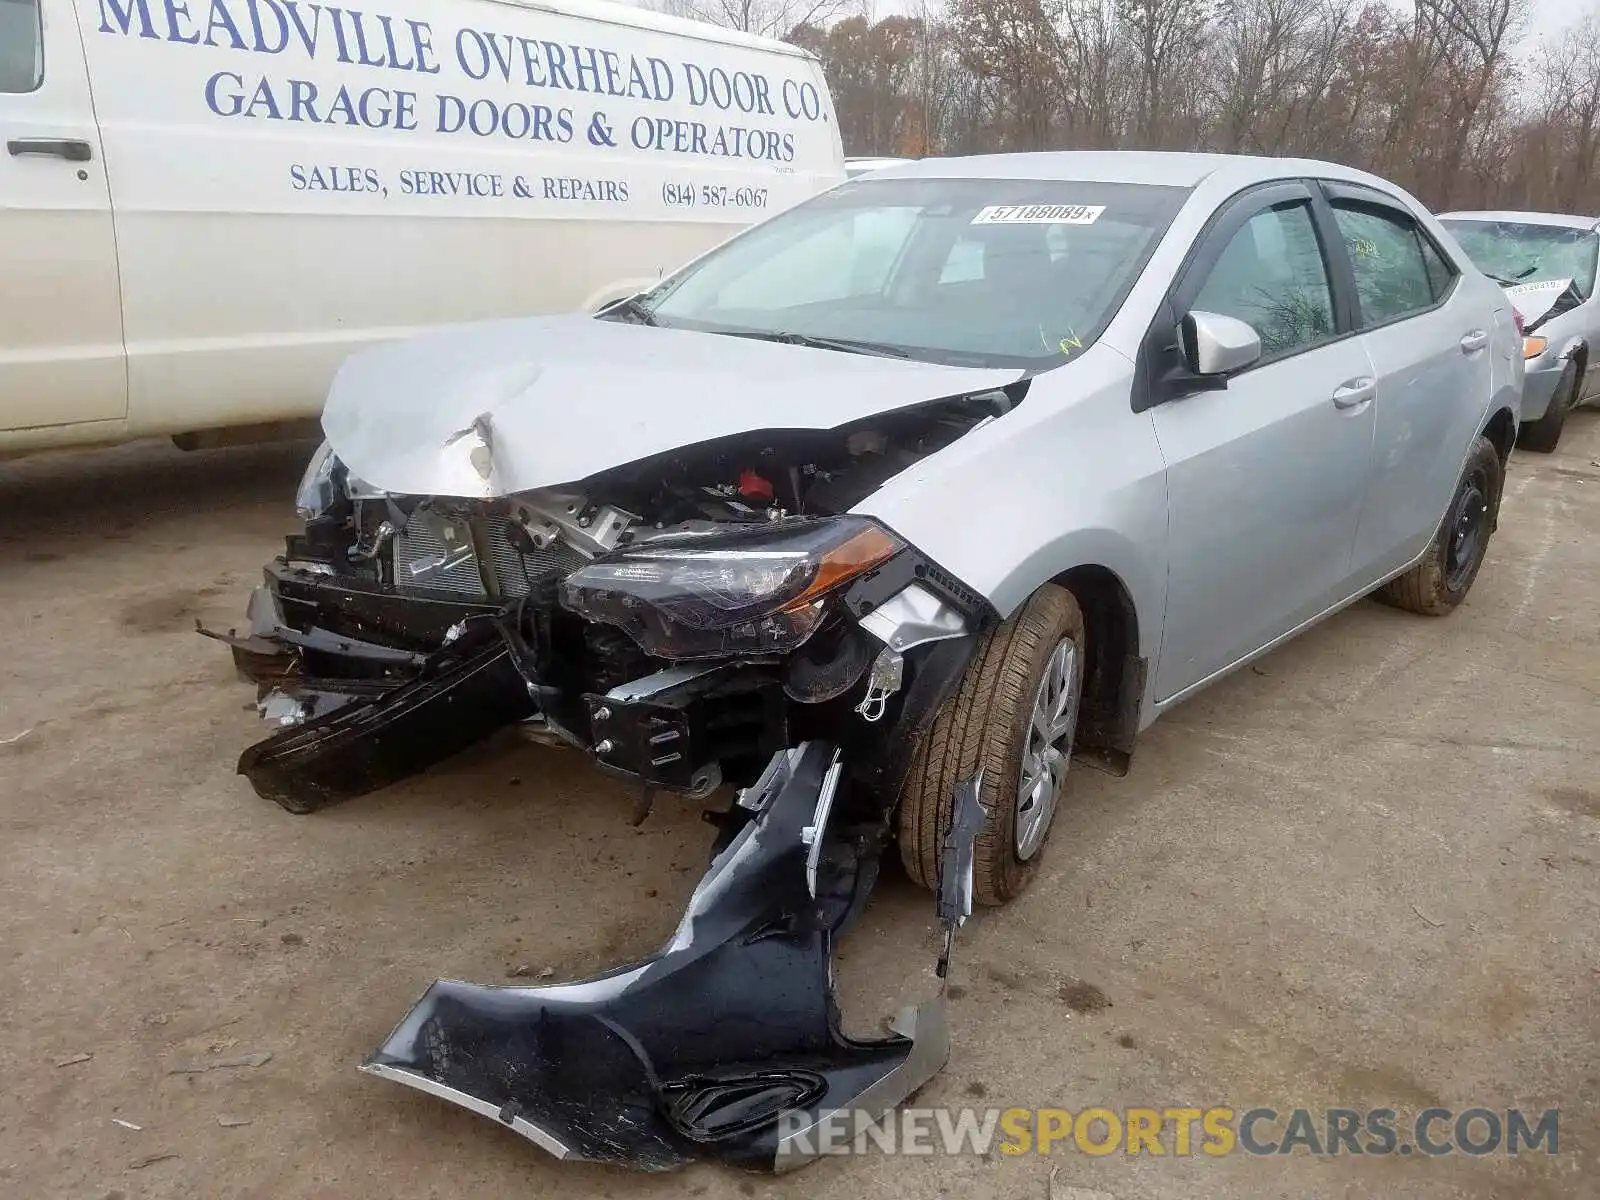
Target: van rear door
[[61, 350]]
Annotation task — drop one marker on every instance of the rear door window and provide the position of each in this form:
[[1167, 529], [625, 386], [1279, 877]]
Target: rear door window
[[1393, 276]]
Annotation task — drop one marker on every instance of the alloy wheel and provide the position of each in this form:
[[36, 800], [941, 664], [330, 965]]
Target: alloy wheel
[[1048, 748]]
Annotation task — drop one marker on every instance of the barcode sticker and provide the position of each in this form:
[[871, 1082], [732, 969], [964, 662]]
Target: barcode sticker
[[1039, 214]]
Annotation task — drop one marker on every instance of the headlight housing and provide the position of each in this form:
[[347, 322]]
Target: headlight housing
[[320, 488], [760, 591]]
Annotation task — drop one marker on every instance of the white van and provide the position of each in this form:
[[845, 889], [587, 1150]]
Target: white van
[[205, 205]]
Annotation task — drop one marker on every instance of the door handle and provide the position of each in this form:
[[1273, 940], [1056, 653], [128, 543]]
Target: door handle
[[1355, 392], [70, 149], [1474, 341]]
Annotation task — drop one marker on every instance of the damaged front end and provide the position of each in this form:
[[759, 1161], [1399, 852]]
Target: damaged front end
[[681, 619], [707, 615], [726, 1043]]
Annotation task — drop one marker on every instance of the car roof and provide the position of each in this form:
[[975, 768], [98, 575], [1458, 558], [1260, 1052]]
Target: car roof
[[1127, 166], [1560, 220]]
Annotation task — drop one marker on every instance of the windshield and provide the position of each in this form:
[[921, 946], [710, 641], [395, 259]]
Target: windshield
[[983, 272], [1513, 252]]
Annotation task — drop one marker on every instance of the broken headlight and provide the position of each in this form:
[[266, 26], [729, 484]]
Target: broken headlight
[[760, 591], [320, 486]]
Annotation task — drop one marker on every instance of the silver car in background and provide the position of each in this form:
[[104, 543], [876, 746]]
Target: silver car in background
[[1546, 262], [854, 167]]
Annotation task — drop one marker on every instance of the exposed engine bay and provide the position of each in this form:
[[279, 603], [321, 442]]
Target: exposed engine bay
[[683, 618]]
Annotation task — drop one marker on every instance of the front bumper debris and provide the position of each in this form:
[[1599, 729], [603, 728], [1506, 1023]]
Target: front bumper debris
[[725, 1044], [366, 743], [358, 713]]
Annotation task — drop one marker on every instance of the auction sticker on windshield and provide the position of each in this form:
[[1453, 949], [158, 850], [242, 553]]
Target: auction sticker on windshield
[[1039, 214], [1533, 300], [1554, 286]]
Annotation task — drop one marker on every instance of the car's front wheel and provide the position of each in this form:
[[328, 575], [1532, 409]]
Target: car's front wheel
[[1440, 581], [1015, 716]]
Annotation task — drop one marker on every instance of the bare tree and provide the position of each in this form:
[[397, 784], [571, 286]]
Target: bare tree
[[769, 18], [1167, 38], [1479, 32], [1430, 93]]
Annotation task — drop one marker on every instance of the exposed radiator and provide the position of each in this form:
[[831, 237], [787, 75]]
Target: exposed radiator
[[418, 551], [516, 570]]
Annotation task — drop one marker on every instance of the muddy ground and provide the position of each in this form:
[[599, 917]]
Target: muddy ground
[[1365, 872]]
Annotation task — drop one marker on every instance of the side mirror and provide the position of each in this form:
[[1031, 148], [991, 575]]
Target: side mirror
[[1215, 345]]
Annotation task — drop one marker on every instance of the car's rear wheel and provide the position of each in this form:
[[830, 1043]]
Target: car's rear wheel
[[1441, 580], [1015, 716], [1542, 435]]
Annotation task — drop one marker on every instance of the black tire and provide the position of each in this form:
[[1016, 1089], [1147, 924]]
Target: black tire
[[986, 724], [1444, 576], [1542, 435]]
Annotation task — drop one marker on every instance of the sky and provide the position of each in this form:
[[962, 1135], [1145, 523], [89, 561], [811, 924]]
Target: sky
[[1550, 17]]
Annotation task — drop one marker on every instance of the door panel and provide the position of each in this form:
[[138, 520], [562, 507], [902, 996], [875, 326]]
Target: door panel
[[1265, 478], [1431, 337], [1265, 482], [61, 348]]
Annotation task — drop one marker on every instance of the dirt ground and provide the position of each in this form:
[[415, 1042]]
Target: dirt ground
[[1364, 873]]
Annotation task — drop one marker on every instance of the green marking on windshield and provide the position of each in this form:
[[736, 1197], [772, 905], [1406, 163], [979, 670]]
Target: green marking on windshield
[[1066, 345]]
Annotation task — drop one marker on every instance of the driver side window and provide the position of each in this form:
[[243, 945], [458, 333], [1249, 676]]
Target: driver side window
[[1272, 276]]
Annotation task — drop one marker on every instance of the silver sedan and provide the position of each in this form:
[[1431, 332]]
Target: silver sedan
[[969, 463], [884, 511], [1546, 262]]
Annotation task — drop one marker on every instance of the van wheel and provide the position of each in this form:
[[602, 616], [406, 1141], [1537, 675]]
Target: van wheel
[[1015, 716], [1542, 435], [1441, 580]]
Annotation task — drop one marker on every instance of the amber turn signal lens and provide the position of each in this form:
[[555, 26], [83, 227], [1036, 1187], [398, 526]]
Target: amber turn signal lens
[[859, 554]]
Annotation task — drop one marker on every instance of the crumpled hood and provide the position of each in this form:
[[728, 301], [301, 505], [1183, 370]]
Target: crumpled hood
[[1533, 300], [505, 406]]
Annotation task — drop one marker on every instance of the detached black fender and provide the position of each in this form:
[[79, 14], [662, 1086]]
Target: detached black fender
[[725, 1044]]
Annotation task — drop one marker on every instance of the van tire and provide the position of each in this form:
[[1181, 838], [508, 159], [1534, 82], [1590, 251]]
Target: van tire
[[1442, 579], [986, 724]]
